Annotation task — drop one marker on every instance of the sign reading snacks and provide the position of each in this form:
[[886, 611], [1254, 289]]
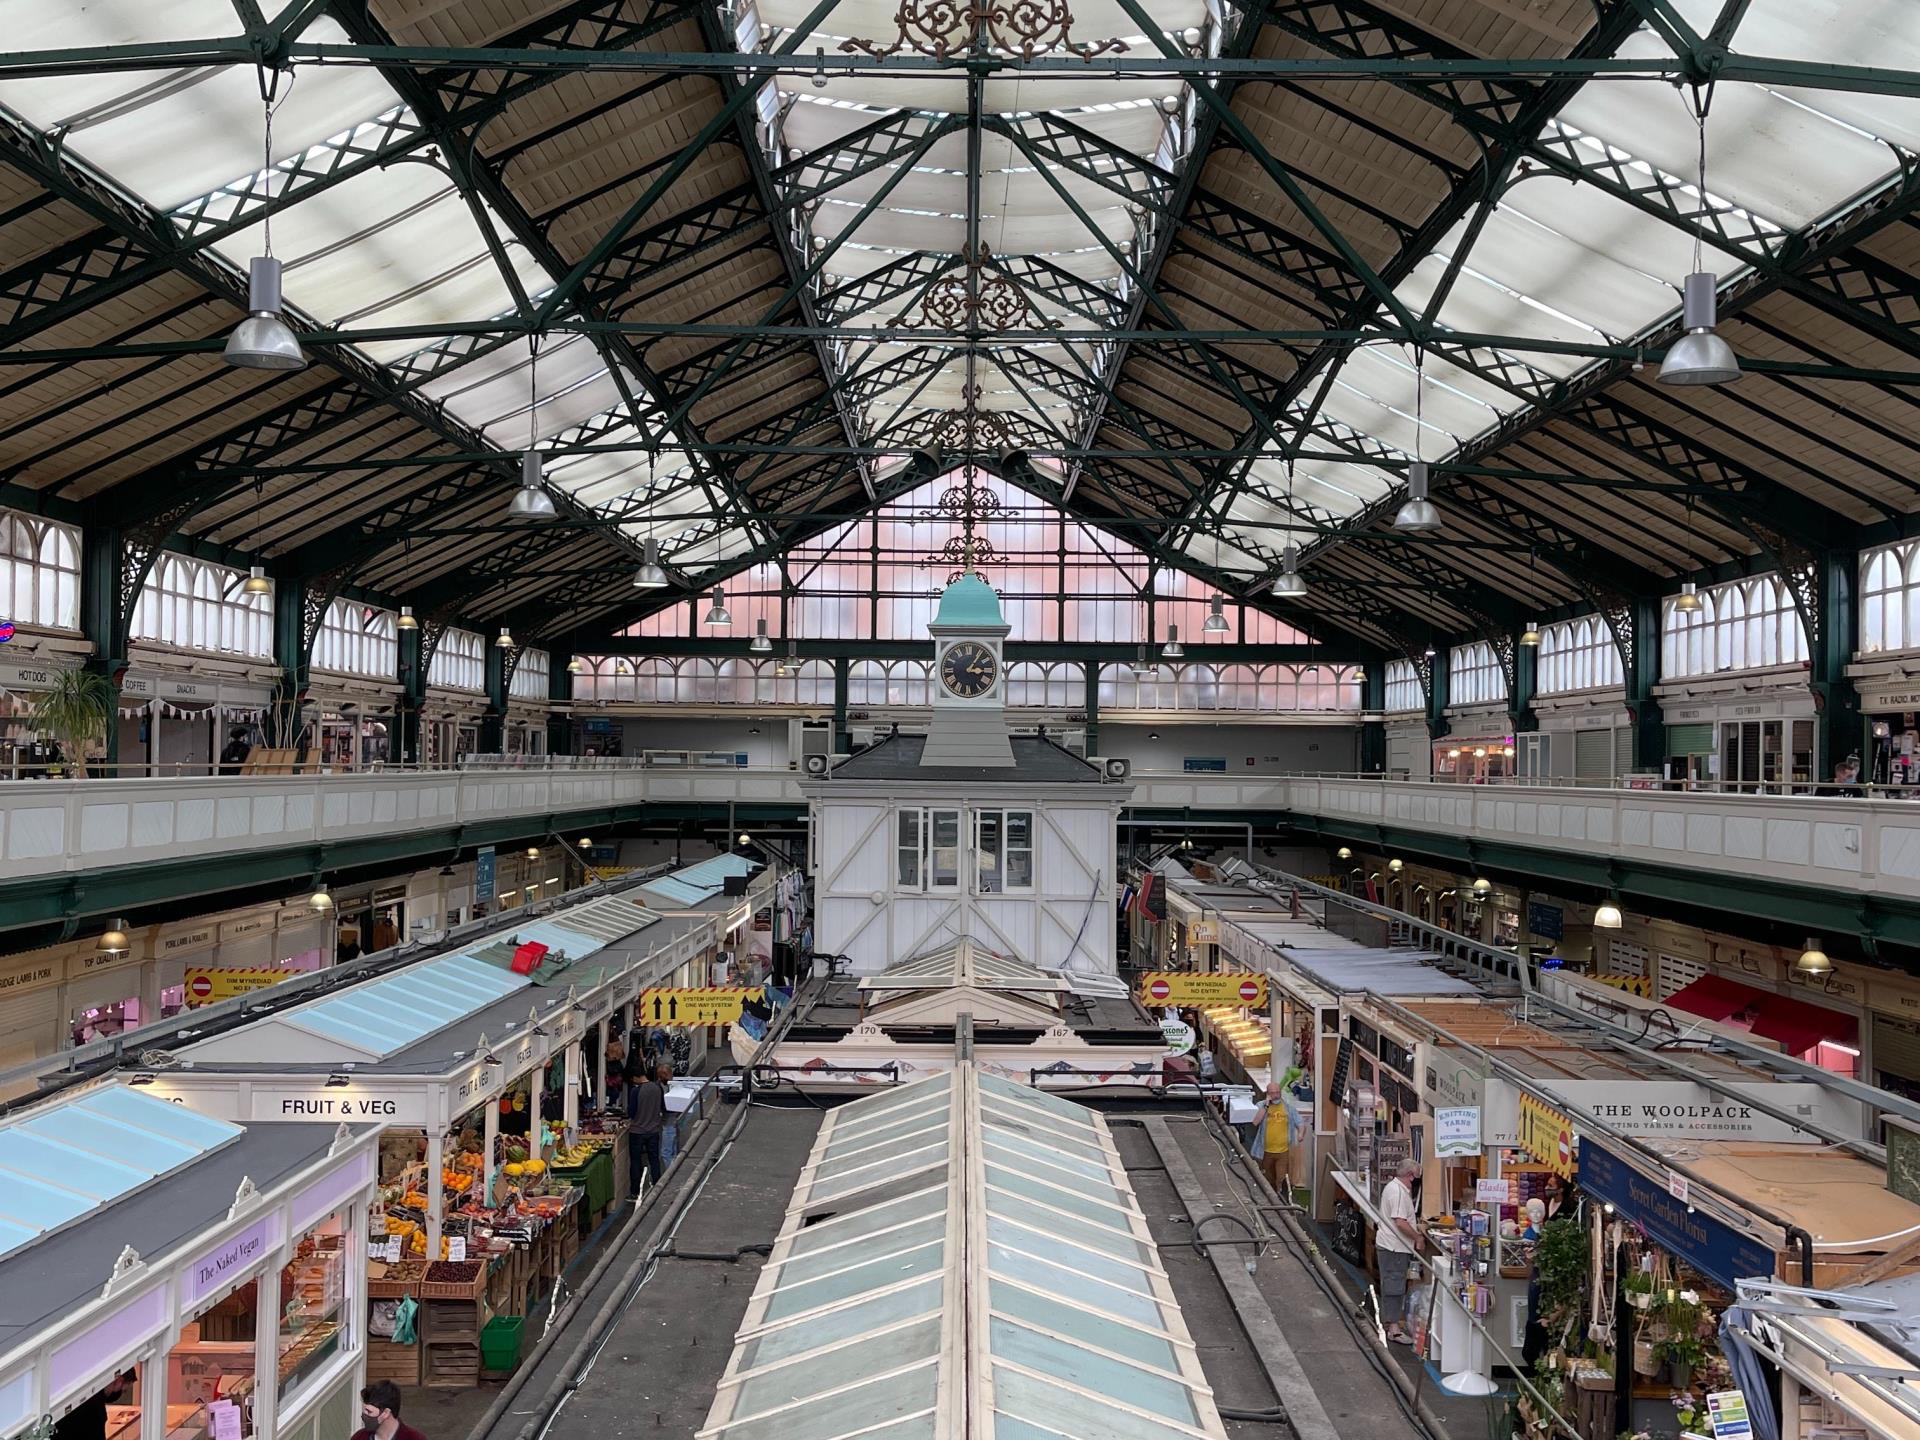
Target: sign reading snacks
[[1547, 1135], [1188, 987], [701, 1005]]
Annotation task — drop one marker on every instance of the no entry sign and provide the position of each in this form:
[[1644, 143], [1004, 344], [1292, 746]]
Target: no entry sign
[[1199, 987]]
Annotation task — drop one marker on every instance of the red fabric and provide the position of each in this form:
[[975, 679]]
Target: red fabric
[[527, 958], [1799, 1026], [1715, 997]]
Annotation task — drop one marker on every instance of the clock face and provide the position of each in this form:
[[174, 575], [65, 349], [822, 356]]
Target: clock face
[[969, 670]]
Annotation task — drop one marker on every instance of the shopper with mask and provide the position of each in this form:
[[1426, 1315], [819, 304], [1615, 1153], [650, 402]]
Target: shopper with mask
[[380, 1414]]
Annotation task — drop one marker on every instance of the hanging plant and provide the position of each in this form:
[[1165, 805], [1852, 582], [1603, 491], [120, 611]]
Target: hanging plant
[[1560, 1265]]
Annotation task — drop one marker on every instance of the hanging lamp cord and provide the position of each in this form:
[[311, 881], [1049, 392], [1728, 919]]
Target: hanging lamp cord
[[270, 100], [1699, 101]]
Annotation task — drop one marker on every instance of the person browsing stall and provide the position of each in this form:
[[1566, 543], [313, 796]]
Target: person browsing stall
[[1395, 1244]]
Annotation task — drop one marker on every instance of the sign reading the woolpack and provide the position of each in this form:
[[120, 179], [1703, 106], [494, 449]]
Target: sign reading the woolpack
[[1180, 988]]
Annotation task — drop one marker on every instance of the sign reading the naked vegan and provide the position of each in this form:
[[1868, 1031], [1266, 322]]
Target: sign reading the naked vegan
[[1717, 1251], [226, 1263]]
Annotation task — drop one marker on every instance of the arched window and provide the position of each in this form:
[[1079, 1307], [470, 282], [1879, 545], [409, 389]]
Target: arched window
[[1748, 624], [40, 571], [1890, 598], [197, 605], [460, 661], [531, 675], [1404, 691], [1475, 675], [1577, 655], [356, 639]]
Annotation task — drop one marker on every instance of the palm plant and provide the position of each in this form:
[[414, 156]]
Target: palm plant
[[75, 713]]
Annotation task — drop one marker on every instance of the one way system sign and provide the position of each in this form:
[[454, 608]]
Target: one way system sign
[[707, 1005]]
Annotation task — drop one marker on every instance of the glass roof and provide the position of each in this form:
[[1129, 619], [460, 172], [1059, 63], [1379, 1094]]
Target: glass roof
[[698, 883], [963, 1192], [964, 963], [65, 1161]]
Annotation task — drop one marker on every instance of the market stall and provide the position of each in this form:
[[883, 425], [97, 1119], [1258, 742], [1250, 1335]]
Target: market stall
[[201, 1275], [496, 1155]]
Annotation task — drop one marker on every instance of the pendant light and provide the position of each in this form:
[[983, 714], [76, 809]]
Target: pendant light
[[1417, 513], [505, 640], [531, 501], [320, 901], [1813, 960], [264, 340], [533, 852], [1687, 602], [1216, 621], [113, 940], [650, 576], [406, 620], [1531, 635], [576, 666], [1144, 667], [1173, 649], [1607, 916], [1288, 585], [1345, 852], [1482, 886], [760, 645], [1396, 865], [1700, 357], [717, 612], [256, 582]]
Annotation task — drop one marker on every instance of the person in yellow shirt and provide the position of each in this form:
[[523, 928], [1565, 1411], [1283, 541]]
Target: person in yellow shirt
[[1275, 1139]]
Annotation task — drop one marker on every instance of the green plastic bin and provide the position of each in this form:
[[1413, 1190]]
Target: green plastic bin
[[500, 1342]]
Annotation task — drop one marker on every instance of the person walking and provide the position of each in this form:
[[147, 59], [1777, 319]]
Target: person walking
[[1276, 1137], [235, 755], [380, 1414], [1395, 1244], [646, 1118]]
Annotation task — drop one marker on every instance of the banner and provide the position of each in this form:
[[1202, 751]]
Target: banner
[[1548, 1136], [1199, 987], [694, 1006], [1717, 1251], [1151, 902], [208, 986]]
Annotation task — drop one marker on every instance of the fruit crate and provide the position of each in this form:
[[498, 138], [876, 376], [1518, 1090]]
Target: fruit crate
[[469, 1290], [450, 1364], [388, 1361]]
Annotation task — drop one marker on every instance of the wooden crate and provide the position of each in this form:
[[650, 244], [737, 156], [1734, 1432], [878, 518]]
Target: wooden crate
[[450, 1364], [453, 1319], [388, 1361]]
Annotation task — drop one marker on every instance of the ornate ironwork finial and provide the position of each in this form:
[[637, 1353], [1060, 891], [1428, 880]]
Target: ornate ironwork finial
[[968, 505], [973, 299], [946, 29]]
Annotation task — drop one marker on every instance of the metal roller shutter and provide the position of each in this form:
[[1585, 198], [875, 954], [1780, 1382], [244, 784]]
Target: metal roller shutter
[[1690, 739], [1896, 1048], [29, 1025], [1593, 754], [1673, 974], [1622, 750]]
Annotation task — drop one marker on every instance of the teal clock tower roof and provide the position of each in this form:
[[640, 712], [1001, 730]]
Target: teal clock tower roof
[[969, 601]]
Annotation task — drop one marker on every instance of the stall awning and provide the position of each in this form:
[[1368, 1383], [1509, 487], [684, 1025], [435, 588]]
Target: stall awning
[[1715, 997], [1799, 1026]]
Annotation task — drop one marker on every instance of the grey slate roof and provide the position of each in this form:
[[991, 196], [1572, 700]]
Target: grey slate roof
[[1035, 762]]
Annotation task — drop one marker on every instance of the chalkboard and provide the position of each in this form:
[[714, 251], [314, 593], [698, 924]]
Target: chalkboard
[[1342, 1063]]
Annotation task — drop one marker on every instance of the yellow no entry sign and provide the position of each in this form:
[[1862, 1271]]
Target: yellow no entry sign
[[701, 1005], [1195, 987]]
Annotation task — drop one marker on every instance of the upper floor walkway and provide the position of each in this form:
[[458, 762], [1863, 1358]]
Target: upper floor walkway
[[63, 842]]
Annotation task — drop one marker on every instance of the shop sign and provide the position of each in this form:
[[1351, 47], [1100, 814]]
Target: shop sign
[[1180, 988], [1456, 1130], [16, 676], [1179, 1036], [1682, 1110], [250, 925], [353, 1102], [1454, 1077], [1549, 922], [1715, 1250], [177, 942], [228, 1262], [697, 1005], [1894, 995], [1203, 932], [1493, 1192], [1548, 1136], [30, 977], [1728, 1411], [483, 875], [88, 961], [209, 986]]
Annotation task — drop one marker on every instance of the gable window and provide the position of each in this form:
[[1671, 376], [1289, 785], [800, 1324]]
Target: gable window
[[927, 850], [1002, 851]]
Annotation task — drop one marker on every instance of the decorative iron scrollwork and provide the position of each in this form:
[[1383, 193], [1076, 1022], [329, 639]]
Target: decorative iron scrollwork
[[944, 29], [974, 299]]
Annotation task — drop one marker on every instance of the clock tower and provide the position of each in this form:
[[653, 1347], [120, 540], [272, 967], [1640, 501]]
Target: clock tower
[[969, 678]]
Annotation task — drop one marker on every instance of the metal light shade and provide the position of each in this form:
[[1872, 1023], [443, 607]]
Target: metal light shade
[[1288, 585], [761, 644], [574, 667], [717, 612], [531, 501], [505, 639], [533, 852], [1396, 866], [320, 900], [1607, 917], [1173, 649], [1482, 885], [406, 620], [1699, 357], [586, 842], [1417, 512], [114, 940], [256, 582], [1344, 852], [263, 341], [1687, 602], [1813, 960], [650, 576], [1531, 635], [1216, 622]]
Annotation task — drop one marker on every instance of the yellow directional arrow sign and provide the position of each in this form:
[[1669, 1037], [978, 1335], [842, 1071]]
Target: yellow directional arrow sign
[[702, 1005]]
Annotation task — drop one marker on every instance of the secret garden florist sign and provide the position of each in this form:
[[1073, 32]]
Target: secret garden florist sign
[[1716, 1250]]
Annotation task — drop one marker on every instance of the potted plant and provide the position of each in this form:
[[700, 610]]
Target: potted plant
[[74, 713], [1639, 1287], [1680, 1351]]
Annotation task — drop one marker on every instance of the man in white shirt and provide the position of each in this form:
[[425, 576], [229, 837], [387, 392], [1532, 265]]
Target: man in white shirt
[[1395, 1244]]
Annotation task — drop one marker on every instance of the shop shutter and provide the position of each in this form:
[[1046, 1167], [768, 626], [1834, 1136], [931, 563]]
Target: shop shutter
[[1674, 974], [1622, 750], [1400, 749], [1593, 754], [1896, 1048], [1624, 957], [1690, 739], [30, 1025]]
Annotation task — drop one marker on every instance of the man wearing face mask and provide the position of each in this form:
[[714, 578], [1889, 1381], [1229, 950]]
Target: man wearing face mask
[[380, 1414]]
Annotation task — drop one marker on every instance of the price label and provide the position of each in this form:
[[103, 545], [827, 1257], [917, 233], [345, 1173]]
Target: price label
[[223, 1417], [456, 1247], [1490, 1192], [393, 1249]]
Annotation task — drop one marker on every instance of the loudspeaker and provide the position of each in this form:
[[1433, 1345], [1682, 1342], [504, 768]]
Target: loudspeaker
[[815, 764], [1116, 769]]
